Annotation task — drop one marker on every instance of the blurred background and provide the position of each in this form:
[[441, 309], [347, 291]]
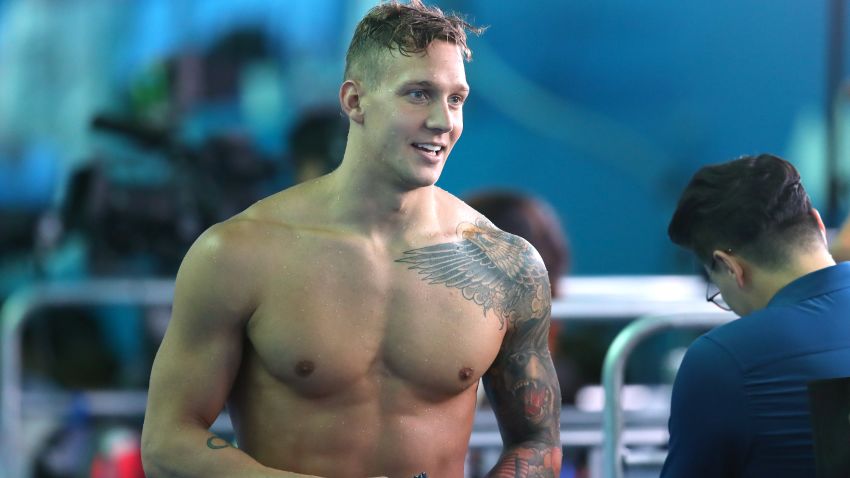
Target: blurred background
[[129, 126]]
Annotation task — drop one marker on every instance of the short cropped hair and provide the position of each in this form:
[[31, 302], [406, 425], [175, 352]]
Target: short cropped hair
[[753, 205], [531, 219], [406, 28]]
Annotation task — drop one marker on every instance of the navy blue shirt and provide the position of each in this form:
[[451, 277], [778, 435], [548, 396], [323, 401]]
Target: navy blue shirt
[[740, 405]]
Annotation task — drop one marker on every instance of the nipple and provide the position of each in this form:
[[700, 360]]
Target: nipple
[[465, 373], [304, 368]]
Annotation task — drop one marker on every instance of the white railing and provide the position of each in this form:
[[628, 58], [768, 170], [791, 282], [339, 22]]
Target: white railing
[[18, 308], [614, 367]]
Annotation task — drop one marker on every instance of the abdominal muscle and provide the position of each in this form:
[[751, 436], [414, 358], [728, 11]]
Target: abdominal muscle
[[372, 428]]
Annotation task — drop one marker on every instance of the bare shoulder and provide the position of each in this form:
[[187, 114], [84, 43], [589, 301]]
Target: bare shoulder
[[250, 248], [231, 259], [500, 271], [454, 209], [217, 261], [275, 219], [232, 243], [471, 224]]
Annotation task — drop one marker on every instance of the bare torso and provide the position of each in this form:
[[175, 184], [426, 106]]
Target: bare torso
[[353, 363]]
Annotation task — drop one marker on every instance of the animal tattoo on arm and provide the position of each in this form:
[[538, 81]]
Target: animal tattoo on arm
[[503, 273]]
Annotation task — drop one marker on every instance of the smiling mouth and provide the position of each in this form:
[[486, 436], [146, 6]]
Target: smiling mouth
[[429, 149]]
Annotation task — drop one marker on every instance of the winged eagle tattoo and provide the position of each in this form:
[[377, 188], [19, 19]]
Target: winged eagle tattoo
[[496, 270], [503, 273]]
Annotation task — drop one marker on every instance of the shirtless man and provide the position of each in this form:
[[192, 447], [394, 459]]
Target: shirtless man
[[345, 322]]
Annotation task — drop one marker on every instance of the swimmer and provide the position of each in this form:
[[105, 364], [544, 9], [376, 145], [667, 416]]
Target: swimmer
[[345, 322]]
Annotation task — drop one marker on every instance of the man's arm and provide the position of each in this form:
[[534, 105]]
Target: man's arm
[[506, 276], [708, 419], [523, 387], [198, 360]]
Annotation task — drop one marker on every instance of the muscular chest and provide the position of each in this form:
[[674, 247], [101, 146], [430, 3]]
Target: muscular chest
[[353, 323]]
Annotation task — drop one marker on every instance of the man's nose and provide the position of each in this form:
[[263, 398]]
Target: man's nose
[[440, 118]]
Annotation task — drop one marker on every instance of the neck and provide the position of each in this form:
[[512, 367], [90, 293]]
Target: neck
[[369, 202], [772, 281]]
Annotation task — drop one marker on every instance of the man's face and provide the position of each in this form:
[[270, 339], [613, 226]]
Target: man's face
[[413, 114]]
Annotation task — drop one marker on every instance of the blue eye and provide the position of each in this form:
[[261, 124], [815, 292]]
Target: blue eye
[[418, 95], [456, 99]]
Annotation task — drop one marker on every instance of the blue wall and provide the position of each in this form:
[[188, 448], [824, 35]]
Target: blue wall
[[604, 107]]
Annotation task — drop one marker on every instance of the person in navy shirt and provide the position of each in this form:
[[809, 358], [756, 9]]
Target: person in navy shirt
[[740, 403]]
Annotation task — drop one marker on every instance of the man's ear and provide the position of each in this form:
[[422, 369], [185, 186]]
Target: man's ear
[[814, 212], [350, 96], [733, 265]]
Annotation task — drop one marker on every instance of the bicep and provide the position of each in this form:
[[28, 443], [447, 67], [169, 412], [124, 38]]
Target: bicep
[[197, 362], [193, 371], [522, 384]]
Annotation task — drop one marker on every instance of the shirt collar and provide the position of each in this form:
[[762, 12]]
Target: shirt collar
[[815, 283]]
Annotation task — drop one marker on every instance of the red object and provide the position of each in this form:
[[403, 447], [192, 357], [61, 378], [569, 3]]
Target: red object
[[123, 460]]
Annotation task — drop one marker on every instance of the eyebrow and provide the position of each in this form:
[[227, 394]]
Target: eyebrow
[[430, 85]]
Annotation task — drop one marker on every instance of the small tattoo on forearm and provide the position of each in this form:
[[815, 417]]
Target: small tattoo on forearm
[[217, 443]]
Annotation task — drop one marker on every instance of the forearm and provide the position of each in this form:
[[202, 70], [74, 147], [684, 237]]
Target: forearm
[[196, 452], [528, 460]]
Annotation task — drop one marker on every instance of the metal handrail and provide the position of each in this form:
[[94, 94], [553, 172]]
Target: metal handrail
[[613, 373], [18, 308]]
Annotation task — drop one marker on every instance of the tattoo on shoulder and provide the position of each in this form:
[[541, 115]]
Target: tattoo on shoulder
[[502, 272], [217, 443], [496, 270]]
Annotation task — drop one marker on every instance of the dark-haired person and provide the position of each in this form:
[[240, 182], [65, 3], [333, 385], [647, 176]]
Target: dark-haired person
[[317, 143], [345, 322], [740, 406]]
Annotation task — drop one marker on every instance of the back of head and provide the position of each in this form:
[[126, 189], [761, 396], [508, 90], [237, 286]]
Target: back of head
[[317, 142], [404, 28], [754, 205], [532, 220]]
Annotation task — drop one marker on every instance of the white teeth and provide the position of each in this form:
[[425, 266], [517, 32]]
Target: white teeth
[[430, 147]]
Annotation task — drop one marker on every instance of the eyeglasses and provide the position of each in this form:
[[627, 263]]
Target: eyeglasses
[[712, 292], [713, 295]]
